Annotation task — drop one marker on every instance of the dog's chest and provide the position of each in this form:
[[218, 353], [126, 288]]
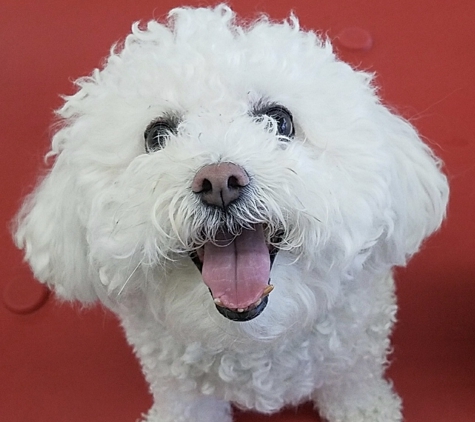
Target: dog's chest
[[267, 379], [264, 378]]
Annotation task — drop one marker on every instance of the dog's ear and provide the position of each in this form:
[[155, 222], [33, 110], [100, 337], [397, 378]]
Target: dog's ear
[[50, 231], [418, 190]]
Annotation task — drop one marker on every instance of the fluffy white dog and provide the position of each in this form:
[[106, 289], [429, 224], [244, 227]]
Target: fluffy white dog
[[237, 196]]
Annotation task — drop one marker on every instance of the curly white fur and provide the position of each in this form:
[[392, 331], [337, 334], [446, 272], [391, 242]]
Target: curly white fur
[[354, 193]]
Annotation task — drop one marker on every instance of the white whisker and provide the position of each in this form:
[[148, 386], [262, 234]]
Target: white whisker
[[129, 277]]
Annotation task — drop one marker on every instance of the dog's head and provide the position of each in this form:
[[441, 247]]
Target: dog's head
[[247, 154]]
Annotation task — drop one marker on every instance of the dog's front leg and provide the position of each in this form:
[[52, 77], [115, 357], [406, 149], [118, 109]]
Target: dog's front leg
[[361, 395], [173, 406]]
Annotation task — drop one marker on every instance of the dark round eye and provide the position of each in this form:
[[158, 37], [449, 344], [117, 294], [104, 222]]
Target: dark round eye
[[157, 134], [283, 118]]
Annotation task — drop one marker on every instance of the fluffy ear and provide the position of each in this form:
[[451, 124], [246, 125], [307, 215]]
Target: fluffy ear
[[418, 189], [50, 231]]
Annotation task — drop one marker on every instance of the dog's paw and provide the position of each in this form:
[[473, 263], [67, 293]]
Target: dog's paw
[[363, 404], [205, 409], [384, 410]]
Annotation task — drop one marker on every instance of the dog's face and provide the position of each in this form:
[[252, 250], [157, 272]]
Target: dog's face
[[208, 162]]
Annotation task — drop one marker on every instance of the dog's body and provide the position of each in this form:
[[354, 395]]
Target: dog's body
[[238, 197]]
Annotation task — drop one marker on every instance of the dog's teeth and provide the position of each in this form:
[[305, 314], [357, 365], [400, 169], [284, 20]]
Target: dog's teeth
[[267, 290], [240, 310], [258, 302], [218, 302]]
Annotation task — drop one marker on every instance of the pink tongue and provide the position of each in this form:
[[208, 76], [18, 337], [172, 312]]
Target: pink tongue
[[237, 270]]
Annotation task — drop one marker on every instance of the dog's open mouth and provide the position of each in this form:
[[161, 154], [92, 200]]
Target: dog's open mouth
[[236, 270]]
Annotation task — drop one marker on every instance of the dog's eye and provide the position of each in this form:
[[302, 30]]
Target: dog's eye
[[157, 134], [283, 117]]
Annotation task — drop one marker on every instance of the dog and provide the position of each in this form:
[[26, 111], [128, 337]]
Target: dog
[[238, 196]]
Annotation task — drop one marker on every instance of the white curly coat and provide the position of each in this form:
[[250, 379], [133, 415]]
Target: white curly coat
[[355, 192]]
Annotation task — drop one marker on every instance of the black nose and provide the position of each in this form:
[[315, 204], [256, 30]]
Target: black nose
[[220, 184]]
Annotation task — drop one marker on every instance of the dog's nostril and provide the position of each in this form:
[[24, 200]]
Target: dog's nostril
[[206, 186], [233, 183]]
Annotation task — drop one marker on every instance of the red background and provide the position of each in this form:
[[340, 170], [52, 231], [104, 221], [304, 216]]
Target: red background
[[63, 363]]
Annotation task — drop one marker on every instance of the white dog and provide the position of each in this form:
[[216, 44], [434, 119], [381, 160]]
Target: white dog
[[237, 196]]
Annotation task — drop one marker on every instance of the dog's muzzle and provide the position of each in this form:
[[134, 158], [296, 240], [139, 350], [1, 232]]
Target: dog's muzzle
[[236, 268]]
